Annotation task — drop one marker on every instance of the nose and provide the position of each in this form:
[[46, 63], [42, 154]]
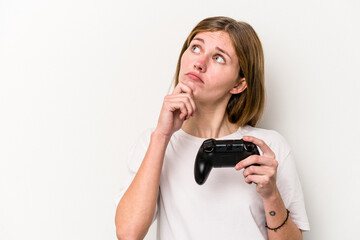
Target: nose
[[200, 65]]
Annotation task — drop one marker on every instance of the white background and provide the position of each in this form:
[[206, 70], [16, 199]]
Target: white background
[[80, 80]]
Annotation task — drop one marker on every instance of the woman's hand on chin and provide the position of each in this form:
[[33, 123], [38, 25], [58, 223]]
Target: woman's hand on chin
[[177, 107]]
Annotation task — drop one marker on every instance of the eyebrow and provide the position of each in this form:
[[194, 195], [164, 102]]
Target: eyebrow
[[217, 48]]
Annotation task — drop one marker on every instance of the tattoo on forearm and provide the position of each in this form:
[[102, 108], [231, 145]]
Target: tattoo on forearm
[[272, 213]]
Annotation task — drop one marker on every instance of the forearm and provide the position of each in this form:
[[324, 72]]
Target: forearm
[[276, 213], [136, 208]]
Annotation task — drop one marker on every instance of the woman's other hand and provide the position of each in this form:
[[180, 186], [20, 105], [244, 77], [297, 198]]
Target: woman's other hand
[[264, 175], [177, 106]]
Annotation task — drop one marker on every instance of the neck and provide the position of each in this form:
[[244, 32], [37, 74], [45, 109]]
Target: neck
[[209, 122]]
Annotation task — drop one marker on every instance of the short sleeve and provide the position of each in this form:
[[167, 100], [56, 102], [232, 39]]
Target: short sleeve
[[134, 160], [289, 185]]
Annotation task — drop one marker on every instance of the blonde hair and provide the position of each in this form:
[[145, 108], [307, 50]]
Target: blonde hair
[[246, 107]]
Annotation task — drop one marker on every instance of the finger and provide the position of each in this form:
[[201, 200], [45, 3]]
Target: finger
[[256, 159], [182, 88], [186, 101], [260, 180], [186, 90], [252, 179], [183, 110], [174, 106], [256, 170], [189, 99], [261, 144]]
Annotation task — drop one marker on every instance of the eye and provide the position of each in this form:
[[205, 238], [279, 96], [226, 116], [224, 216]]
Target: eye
[[195, 49], [219, 59]]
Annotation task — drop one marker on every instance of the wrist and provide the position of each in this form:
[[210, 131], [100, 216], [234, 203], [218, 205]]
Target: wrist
[[159, 137], [272, 197]]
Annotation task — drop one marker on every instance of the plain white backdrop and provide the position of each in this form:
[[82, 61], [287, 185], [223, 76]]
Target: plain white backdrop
[[80, 80]]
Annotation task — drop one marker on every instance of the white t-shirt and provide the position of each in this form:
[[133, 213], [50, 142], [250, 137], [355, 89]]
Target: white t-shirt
[[225, 206]]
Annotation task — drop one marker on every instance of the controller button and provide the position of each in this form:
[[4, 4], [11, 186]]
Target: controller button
[[209, 149], [249, 148], [208, 146]]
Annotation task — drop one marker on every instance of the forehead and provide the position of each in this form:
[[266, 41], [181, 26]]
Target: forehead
[[219, 39]]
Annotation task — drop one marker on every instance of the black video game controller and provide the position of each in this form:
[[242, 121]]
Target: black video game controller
[[221, 153]]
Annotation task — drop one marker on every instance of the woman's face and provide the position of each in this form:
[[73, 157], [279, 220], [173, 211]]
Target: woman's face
[[210, 67]]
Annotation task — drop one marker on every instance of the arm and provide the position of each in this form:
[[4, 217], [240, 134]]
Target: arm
[[136, 208], [265, 178], [275, 213]]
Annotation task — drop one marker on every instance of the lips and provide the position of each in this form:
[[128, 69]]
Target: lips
[[194, 77]]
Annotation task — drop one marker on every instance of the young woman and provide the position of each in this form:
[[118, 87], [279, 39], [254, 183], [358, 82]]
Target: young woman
[[219, 93]]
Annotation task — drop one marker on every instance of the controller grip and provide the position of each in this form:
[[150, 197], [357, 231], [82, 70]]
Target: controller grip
[[202, 170]]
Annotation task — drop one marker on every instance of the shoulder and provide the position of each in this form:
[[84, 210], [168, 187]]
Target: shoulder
[[144, 137], [269, 136]]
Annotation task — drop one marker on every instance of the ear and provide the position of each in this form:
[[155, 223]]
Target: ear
[[239, 87]]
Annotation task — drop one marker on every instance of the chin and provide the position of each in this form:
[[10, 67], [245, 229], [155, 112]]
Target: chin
[[190, 84]]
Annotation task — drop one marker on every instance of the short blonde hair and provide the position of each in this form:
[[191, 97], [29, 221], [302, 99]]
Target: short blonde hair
[[246, 107]]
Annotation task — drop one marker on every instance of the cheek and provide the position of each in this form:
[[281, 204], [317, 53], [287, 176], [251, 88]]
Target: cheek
[[184, 59], [224, 78], [182, 64]]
